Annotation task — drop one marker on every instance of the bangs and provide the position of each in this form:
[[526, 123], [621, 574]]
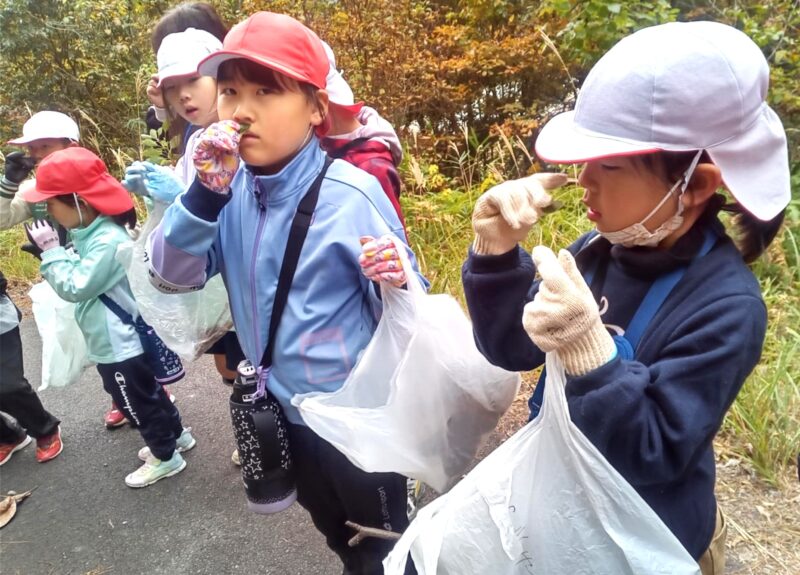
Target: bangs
[[249, 71]]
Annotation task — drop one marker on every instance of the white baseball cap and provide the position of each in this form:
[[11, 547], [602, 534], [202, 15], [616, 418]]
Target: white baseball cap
[[180, 53], [682, 86], [339, 91], [47, 124]]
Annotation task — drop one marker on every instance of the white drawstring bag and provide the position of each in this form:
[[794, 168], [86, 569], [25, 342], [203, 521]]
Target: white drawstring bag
[[188, 323], [64, 352], [545, 502], [421, 400]]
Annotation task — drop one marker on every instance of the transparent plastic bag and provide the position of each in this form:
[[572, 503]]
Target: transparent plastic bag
[[188, 323], [545, 502], [422, 399], [64, 352]]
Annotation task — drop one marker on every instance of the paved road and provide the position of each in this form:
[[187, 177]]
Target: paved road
[[83, 519]]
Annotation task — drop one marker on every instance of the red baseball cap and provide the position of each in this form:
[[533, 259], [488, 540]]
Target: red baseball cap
[[275, 41], [80, 171]]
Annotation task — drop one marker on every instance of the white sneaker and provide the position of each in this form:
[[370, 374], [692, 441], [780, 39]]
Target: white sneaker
[[184, 443], [155, 470]]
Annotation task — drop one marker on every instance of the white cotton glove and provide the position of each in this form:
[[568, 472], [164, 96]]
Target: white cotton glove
[[564, 317], [505, 213], [380, 261]]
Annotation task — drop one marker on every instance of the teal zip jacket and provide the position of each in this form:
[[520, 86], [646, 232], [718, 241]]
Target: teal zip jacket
[[82, 278]]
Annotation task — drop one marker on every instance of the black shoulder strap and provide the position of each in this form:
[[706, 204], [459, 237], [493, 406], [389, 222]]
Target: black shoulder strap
[[123, 315], [294, 245]]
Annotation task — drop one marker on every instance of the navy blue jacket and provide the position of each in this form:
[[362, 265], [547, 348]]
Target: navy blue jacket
[[654, 418]]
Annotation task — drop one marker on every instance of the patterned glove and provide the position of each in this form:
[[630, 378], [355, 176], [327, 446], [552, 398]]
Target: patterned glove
[[505, 213], [380, 260], [158, 182], [42, 235], [18, 167], [216, 155], [564, 317]]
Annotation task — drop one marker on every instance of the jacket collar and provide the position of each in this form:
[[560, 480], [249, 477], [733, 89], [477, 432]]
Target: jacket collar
[[292, 180], [79, 235]]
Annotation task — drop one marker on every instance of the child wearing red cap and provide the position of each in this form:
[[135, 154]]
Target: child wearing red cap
[[253, 169], [84, 198]]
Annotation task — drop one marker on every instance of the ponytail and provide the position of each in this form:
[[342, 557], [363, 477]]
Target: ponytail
[[126, 219], [753, 236]]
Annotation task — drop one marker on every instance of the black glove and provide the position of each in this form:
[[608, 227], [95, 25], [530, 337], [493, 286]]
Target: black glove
[[3, 284], [31, 247], [18, 167]]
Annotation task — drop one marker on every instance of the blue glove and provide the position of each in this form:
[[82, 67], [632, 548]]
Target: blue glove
[[158, 182]]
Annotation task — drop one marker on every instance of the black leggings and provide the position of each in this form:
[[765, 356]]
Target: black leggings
[[143, 401]]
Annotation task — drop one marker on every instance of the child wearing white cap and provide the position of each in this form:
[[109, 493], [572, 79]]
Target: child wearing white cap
[[44, 132], [655, 315]]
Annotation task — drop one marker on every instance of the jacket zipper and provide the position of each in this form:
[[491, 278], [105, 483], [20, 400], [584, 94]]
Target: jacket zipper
[[262, 218]]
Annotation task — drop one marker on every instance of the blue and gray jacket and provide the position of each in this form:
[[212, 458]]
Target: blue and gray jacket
[[332, 310]]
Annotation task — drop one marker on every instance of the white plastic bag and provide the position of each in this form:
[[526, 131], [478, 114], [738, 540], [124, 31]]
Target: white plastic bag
[[546, 502], [64, 353], [421, 400], [189, 323]]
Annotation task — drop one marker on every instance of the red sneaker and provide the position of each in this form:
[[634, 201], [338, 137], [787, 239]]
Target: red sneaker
[[9, 449], [114, 417], [49, 446], [169, 393]]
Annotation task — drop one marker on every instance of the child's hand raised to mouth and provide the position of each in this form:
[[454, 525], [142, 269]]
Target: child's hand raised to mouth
[[216, 155]]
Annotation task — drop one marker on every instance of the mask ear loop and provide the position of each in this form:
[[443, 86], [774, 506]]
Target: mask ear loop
[[683, 183], [78, 207]]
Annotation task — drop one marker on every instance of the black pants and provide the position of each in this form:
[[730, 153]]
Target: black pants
[[228, 345], [145, 404], [17, 397], [333, 491]]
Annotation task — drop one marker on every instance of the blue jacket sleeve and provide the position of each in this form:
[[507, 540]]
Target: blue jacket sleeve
[[652, 421], [182, 248]]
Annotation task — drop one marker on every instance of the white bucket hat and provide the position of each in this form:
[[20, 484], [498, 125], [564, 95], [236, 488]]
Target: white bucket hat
[[339, 91], [681, 87], [47, 124], [180, 53]]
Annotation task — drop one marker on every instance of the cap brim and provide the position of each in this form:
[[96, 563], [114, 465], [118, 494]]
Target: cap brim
[[755, 166], [561, 141], [352, 108], [209, 66], [23, 141], [178, 74], [33, 194]]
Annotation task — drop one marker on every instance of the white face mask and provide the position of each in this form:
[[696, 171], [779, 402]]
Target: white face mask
[[638, 235]]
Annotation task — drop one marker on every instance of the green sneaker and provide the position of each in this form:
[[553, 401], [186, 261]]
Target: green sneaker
[[184, 443], [154, 470]]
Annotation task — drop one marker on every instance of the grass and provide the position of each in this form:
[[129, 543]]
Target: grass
[[14, 263]]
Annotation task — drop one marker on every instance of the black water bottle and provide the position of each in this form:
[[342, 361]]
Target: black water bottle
[[263, 441]]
